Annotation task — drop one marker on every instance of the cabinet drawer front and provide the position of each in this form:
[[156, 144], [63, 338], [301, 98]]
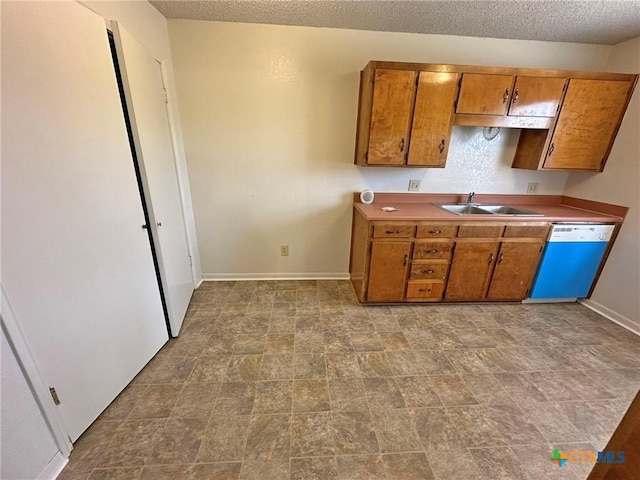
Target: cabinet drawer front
[[425, 289], [427, 271], [440, 250], [480, 231], [527, 231], [436, 231], [393, 231]]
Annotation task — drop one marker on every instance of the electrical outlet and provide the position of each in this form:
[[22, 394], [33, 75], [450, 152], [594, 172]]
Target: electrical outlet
[[414, 185], [532, 187], [284, 250]]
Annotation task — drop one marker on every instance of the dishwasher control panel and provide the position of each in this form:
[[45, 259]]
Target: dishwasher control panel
[[580, 233]]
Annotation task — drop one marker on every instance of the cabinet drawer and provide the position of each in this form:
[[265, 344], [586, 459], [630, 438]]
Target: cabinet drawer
[[440, 250], [393, 231], [436, 231], [480, 231], [429, 271], [425, 289], [527, 231]]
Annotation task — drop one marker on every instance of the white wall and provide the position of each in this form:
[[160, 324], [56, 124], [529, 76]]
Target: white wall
[[149, 27], [269, 114], [27, 445], [618, 287]]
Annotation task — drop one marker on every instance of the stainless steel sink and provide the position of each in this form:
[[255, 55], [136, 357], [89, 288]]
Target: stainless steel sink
[[507, 210], [467, 209], [463, 209]]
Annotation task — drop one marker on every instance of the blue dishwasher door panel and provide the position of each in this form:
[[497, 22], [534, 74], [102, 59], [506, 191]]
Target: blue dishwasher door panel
[[567, 269]]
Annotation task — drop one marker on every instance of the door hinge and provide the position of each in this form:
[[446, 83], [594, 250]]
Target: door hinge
[[366, 156], [190, 261], [166, 95], [417, 79], [54, 395]]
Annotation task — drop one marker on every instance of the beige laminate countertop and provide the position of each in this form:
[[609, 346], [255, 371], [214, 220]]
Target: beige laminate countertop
[[410, 207]]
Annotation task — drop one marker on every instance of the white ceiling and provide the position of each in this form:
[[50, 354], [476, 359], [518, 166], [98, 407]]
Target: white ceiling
[[582, 21]]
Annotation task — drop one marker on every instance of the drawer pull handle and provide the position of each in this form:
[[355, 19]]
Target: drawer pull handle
[[505, 97], [404, 262], [434, 250], [424, 290], [435, 231], [393, 231], [490, 258], [427, 271]]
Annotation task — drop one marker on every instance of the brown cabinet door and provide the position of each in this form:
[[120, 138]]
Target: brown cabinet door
[[589, 117], [471, 268], [484, 94], [388, 271], [393, 92], [516, 265], [536, 96], [432, 118]]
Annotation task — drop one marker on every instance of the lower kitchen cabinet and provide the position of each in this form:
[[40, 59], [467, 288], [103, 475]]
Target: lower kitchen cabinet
[[388, 271], [471, 270], [515, 267], [404, 261]]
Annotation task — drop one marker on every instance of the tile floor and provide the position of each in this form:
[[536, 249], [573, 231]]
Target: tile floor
[[296, 380]]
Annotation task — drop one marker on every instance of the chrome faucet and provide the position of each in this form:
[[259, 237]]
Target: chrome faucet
[[470, 197]]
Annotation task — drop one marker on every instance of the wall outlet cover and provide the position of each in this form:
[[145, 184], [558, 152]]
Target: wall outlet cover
[[284, 250], [414, 185], [532, 187]]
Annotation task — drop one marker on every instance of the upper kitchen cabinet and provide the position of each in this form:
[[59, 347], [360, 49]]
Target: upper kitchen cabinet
[[583, 134], [568, 119], [405, 117], [482, 94], [536, 96]]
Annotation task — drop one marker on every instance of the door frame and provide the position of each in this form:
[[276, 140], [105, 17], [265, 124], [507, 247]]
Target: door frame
[[33, 377]]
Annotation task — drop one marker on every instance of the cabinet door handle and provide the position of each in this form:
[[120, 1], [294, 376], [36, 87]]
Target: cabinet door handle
[[392, 231], [441, 147], [427, 271], [404, 262], [553, 145], [402, 145], [505, 97], [435, 231], [515, 97], [490, 258], [425, 290], [500, 258]]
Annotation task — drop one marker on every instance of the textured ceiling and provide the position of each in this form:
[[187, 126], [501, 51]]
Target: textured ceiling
[[582, 21]]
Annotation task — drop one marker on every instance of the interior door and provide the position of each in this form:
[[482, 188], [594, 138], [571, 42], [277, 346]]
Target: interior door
[[77, 266], [144, 92]]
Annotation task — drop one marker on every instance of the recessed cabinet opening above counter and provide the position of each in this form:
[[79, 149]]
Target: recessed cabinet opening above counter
[[568, 119]]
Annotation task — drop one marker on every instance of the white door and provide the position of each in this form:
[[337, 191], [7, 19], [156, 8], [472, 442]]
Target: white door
[[145, 94], [76, 264]]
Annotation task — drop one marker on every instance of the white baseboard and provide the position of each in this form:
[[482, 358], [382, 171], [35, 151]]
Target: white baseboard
[[54, 467], [214, 277], [612, 315]]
